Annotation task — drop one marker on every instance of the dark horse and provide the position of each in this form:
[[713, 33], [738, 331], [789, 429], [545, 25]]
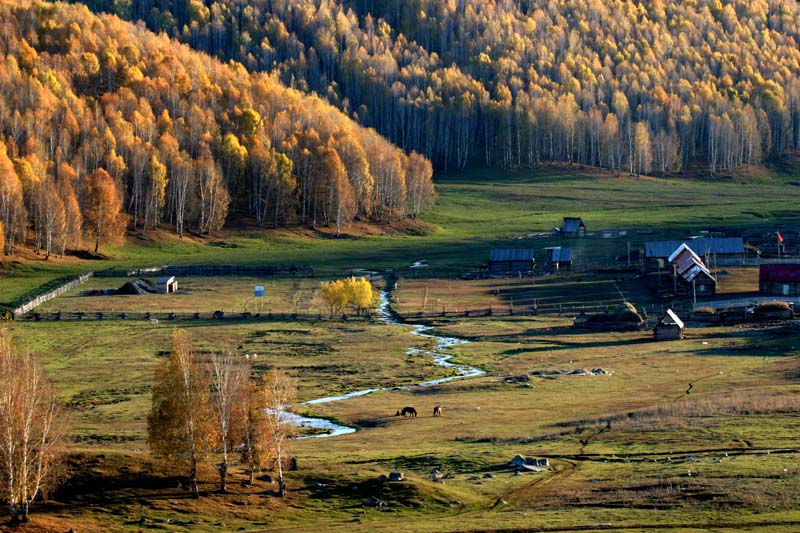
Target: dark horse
[[410, 411]]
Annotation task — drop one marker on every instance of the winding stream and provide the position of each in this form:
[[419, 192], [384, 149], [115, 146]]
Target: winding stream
[[440, 354]]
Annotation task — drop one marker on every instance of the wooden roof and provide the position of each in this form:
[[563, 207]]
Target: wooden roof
[[669, 319]]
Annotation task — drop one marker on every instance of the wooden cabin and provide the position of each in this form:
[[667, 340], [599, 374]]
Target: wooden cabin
[[559, 258], [573, 227], [779, 279], [691, 273], [669, 327], [511, 261], [707, 248]]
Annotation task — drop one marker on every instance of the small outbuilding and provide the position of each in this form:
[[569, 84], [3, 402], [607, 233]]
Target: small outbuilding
[[559, 258], [779, 279], [511, 261], [573, 227], [166, 285], [669, 327]]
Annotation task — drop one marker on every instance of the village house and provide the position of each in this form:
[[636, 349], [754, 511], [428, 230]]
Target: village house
[[691, 273], [708, 248], [779, 280], [511, 261], [669, 327]]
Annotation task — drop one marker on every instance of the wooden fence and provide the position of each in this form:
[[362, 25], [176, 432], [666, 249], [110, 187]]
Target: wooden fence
[[567, 310], [46, 297], [210, 270], [190, 316]]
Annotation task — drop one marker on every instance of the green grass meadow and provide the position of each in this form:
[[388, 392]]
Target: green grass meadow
[[699, 434]]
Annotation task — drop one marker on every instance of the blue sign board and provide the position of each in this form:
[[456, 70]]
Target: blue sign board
[[259, 291]]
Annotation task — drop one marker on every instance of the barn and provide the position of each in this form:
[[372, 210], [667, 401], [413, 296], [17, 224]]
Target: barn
[[779, 279], [669, 327], [559, 258], [573, 227], [691, 272], [166, 285], [510, 261], [657, 252]]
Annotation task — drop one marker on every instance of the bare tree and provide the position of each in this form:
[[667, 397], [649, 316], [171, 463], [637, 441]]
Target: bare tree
[[31, 430], [229, 374], [278, 390]]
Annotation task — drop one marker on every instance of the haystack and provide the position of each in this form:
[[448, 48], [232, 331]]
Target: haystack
[[625, 317], [137, 286]]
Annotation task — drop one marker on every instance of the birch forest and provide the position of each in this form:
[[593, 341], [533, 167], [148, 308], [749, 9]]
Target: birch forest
[[640, 87], [106, 126]]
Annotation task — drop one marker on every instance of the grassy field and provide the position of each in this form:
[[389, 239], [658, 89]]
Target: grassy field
[[476, 211], [690, 435], [621, 445], [198, 294]]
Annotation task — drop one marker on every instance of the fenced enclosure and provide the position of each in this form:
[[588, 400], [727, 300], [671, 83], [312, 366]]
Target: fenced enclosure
[[218, 315], [50, 295], [210, 270]]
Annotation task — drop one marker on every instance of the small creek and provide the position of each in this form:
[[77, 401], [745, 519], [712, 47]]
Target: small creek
[[441, 355]]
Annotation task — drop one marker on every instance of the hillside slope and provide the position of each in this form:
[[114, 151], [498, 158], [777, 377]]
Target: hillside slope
[[99, 115], [646, 86]]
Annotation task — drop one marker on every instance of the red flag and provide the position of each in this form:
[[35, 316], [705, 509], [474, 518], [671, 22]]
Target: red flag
[[780, 237]]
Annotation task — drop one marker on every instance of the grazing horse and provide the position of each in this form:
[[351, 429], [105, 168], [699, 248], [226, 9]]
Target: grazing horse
[[410, 411], [437, 411]]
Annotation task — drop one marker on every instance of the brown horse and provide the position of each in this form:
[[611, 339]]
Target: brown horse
[[437, 411], [410, 411]]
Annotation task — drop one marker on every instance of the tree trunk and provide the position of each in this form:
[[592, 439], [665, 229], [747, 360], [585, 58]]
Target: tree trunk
[[193, 480], [222, 468]]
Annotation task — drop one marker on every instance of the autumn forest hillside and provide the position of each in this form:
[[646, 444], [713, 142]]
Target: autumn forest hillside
[[643, 87], [320, 112], [105, 126]]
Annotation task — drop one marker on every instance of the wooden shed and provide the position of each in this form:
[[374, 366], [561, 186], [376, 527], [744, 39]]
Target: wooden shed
[[166, 285], [779, 280], [511, 261], [573, 227], [669, 327], [559, 258]]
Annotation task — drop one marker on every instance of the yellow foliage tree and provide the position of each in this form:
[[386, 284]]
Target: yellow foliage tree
[[359, 293], [180, 426], [334, 293]]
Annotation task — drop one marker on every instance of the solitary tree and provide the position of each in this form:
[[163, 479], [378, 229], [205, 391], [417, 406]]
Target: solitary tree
[[181, 425], [31, 430]]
